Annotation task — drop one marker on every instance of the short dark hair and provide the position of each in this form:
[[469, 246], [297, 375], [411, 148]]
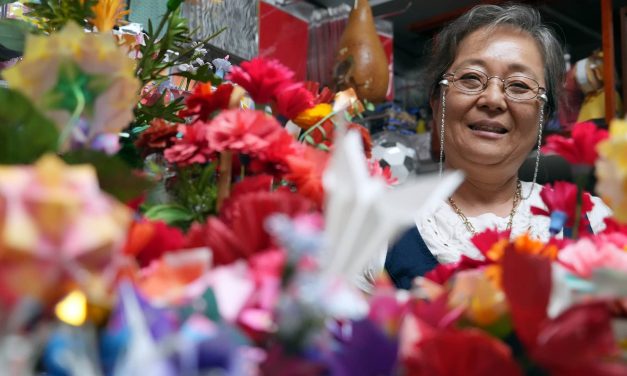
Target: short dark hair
[[522, 17]]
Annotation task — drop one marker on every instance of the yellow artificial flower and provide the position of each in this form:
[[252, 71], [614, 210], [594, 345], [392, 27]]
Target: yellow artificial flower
[[108, 14], [312, 116], [76, 73], [611, 169]]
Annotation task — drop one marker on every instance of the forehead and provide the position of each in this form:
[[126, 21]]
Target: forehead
[[501, 51]]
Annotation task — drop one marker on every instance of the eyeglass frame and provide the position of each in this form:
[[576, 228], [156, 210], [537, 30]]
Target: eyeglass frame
[[539, 91]]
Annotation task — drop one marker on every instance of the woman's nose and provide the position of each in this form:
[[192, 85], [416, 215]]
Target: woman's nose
[[493, 97]]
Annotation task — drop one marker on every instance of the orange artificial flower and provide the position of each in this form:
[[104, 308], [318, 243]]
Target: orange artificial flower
[[108, 14]]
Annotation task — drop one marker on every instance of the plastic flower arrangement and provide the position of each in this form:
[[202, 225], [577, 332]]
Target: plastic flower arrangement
[[251, 204]]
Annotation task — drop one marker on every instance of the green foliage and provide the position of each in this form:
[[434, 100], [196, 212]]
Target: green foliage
[[13, 34], [52, 15], [116, 177], [172, 38], [172, 214], [25, 134], [192, 196], [145, 114]]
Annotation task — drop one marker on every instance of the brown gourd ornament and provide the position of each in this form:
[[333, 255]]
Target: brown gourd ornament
[[361, 62]]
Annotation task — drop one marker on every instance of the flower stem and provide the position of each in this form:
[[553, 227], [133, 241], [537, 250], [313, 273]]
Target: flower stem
[[581, 180], [224, 179], [76, 114]]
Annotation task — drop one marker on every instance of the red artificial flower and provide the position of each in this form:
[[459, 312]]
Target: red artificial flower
[[320, 96], [581, 147], [441, 273], [562, 196], [579, 341], [192, 147], [263, 79], [241, 233], [159, 136], [204, 101], [247, 132], [366, 140], [305, 171], [149, 240], [492, 243], [293, 100], [469, 352]]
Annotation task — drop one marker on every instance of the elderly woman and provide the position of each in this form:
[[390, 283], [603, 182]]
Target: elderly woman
[[496, 71]]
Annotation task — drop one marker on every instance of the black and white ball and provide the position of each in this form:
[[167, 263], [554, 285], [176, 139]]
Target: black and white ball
[[392, 152]]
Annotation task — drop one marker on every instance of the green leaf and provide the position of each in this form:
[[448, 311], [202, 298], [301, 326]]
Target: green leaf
[[369, 106], [115, 176], [25, 134], [169, 213], [5, 2], [13, 34]]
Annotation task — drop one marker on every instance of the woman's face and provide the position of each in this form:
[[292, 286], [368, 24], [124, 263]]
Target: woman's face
[[489, 129]]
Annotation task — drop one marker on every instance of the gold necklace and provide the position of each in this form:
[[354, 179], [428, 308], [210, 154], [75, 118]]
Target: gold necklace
[[469, 225]]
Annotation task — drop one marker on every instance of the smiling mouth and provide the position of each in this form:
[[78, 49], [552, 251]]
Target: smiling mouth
[[488, 128]]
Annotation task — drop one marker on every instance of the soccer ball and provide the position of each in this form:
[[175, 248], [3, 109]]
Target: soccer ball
[[391, 152]]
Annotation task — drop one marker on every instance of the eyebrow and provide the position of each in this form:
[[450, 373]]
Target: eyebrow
[[512, 67]]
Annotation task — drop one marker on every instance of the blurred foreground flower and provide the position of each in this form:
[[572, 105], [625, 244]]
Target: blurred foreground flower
[[53, 220], [82, 81], [581, 147], [611, 169]]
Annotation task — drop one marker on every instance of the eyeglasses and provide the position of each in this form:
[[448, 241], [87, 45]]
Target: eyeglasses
[[473, 81]]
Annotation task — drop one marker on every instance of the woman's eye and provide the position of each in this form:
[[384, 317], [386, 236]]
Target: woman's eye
[[470, 77], [518, 85]]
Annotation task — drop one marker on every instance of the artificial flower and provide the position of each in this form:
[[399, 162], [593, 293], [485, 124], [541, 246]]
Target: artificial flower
[[204, 101], [108, 13], [193, 147], [478, 296], [72, 76], [312, 116], [241, 234], [588, 254], [611, 169], [375, 169], [263, 79], [293, 100], [562, 198], [149, 240], [492, 243], [55, 220], [476, 353], [320, 96], [247, 132], [157, 137], [581, 147], [305, 171]]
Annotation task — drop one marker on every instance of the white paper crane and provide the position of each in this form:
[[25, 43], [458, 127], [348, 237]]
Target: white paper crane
[[362, 214]]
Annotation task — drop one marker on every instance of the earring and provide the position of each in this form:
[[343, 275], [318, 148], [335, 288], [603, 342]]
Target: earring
[[444, 84], [543, 99]]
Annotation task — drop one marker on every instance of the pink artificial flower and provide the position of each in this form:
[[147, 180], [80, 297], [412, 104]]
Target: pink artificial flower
[[580, 148], [263, 79], [192, 147], [562, 196], [247, 132], [589, 254], [376, 170]]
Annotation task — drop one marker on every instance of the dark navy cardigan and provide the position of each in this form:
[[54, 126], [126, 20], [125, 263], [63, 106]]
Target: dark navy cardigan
[[408, 258]]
